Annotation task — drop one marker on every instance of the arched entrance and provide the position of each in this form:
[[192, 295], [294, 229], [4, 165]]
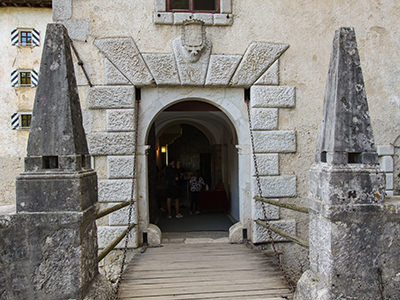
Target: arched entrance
[[227, 120], [203, 140]]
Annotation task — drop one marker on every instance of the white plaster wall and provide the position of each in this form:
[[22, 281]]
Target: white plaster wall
[[13, 142]]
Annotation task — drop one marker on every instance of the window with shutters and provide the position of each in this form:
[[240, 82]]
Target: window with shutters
[[25, 37], [21, 120], [25, 119], [24, 78]]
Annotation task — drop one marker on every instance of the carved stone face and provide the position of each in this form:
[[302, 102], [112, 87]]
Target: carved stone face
[[193, 36]]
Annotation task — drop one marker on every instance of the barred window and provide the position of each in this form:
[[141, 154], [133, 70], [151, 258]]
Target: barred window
[[25, 78], [26, 120], [193, 5], [25, 38]]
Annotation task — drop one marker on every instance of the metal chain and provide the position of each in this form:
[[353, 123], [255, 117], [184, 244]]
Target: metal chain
[[269, 231], [132, 196]]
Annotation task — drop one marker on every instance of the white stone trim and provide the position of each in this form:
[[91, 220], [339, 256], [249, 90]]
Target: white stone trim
[[223, 18]]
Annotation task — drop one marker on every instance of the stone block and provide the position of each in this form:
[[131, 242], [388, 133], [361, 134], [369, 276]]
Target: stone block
[[386, 163], [223, 19], [62, 10], [385, 150], [257, 59], [271, 212], [120, 166], [206, 18], [268, 164], [180, 17], [163, 68], [160, 5], [77, 29], [260, 234], [272, 96], [106, 234], [118, 190], [236, 233], [111, 143], [191, 72], [271, 76], [125, 55], [120, 120], [163, 18], [389, 181], [111, 97], [264, 118], [112, 75], [276, 186], [153, 235], [225, 6], [281, 141], [120, 217], [221, 69]]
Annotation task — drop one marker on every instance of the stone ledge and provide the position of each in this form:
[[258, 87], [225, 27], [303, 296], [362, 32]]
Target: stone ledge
[[279, 141], [260, 234], [111, 97], [273, 96], [114, 143], [276, 186], [106, 234], [118, 190]]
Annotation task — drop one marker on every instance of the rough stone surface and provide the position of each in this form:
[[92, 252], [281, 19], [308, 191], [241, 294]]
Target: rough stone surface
[[260, 234], [191, 73], [163, 68], [264, 118], [276, 186], [221, 69], [271, 76], [386, 163], [120, 166], [268, 164], [101, 289], [115, 190], [62, 10], [44, 255], [272, 96], [345, 97], [275, 141], [225, 6], [125, 56], [271, 212], [180, 17], [206, 18], [111, 143], [120, 120], [258, 58], [106, 234], [120, 217], [236, 233], [78, 29], [160, 5], [153, 235], [389, 181], [112, 75], [385, 150], [80, 76], [111, 97]]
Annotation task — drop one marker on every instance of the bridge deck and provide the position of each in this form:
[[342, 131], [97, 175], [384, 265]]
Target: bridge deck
[[203, 271]]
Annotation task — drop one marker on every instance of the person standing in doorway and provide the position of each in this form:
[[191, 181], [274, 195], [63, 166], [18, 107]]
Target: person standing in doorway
[[196, 185], [172, 178]]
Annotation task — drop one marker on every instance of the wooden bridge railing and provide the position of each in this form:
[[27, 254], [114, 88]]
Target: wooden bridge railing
[[119, 238], [277, 230]]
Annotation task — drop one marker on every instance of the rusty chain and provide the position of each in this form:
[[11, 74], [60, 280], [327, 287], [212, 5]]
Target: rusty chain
[[131, 197], [259, 189]]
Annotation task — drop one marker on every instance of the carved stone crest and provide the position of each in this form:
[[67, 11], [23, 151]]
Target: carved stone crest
[[193, 37]]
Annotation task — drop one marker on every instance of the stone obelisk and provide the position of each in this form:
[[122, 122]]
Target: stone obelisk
[[346, 188], [50, 244]]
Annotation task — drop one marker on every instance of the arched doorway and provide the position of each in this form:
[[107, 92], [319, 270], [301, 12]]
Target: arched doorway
[[203, 139]]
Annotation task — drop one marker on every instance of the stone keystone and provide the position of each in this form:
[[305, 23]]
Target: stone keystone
[[346, 132]]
